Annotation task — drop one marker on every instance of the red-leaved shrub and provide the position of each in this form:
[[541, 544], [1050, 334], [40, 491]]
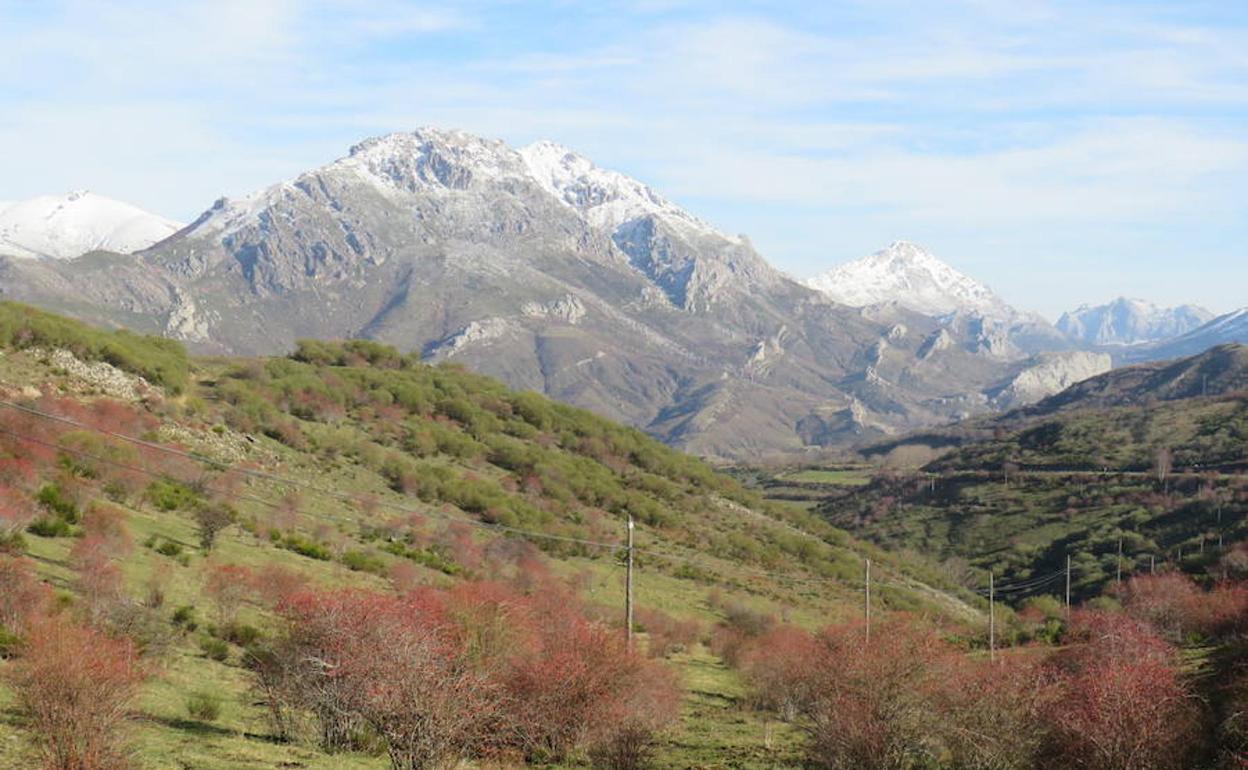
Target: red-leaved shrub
[[76, 685]]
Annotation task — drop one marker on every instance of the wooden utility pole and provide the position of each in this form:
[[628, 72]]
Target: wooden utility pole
[[1067, 586], [1119, 579], [628, 588], [867, 595], [992, 619], [1152, 564]]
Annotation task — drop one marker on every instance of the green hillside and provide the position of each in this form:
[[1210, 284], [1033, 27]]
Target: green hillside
[[1127, 458], [167, 499]]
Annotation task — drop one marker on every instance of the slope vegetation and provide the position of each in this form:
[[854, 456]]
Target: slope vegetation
[[196, 513]]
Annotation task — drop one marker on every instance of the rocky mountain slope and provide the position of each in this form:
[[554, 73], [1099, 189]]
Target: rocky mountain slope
[[68, 226], [1127, 321], [537, 267]]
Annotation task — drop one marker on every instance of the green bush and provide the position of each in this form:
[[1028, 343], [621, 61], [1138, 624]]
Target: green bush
[[52, 498], [184, 617], [362, 561], [171, 495], [216, 649], [240, 634], [203, 706], [50, 526]]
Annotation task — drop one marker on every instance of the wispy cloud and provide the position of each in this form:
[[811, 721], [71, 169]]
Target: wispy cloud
[[823, 129]]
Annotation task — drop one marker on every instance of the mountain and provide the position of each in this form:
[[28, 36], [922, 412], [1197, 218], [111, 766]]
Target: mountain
[[1130, 321], [1213, 372], [1230, 327], [68, 226], [537, 267], [909, 275]]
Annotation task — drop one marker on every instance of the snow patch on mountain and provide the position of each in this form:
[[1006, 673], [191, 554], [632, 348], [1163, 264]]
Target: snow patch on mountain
[[910, 276], [606, 198], [68, 226], [1127, 321]]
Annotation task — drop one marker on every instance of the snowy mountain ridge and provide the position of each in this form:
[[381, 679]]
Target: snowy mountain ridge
[[70, 225], [1128, 321], [910, 276], [432, 161]]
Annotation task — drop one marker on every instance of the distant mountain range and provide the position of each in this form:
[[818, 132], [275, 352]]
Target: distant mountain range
[[538, 267], [1130, 321]]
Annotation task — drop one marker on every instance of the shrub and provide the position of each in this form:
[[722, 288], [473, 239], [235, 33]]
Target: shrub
[[22, 597], [228, 586], [76, 686], [1122, 704], [184, 616], [211, 519], [203, 706], [50, 526], [216, 649]]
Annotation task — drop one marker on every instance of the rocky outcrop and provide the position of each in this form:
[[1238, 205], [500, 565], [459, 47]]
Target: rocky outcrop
[[1049, 374]]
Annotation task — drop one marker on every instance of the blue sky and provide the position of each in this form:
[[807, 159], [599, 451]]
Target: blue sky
[[1060, 152]]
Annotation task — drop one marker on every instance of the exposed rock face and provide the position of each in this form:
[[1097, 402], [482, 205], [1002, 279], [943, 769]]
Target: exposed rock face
[[539, 268], [1130, 321], [1218, 370], [1049, 374]]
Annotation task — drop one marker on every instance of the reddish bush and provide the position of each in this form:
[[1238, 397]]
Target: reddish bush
[[870, 705], [472, 671], [1122, 705], [666, 635], [778, 666], [1168, 602], [274, 584], [990, 712], [228, 586], [22, 596], [16, 513], [1176, 608], [740, 625], [76, 685], [99, 576]]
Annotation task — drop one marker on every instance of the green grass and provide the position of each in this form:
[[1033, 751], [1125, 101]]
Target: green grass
[[838, 477]]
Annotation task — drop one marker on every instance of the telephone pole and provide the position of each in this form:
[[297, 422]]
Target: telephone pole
[[628, 588], [867, 605], [1068, 586], [1119, 579], [992, 619]]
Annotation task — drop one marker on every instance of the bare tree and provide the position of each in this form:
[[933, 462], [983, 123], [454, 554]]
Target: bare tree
[[1163, 462]]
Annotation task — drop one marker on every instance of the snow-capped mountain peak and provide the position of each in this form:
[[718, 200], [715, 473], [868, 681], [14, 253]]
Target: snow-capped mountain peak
[[1127, 321], [70, 225], [607, 198], [436, 161], [910, 276]]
